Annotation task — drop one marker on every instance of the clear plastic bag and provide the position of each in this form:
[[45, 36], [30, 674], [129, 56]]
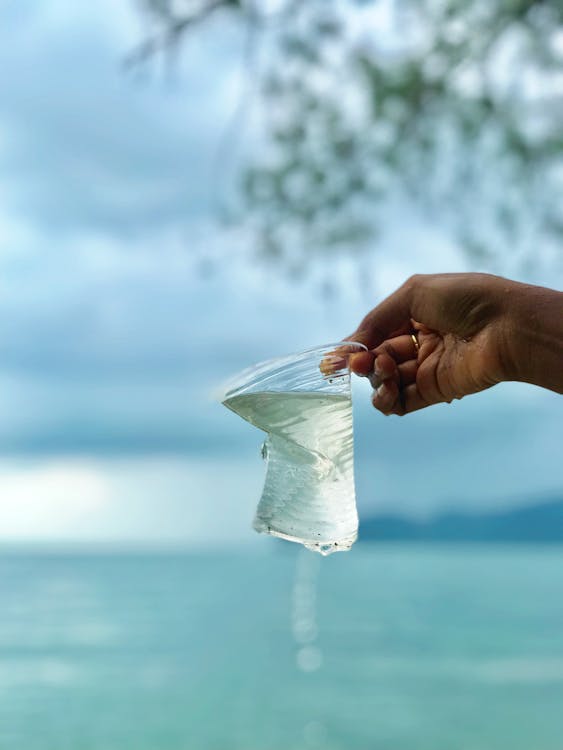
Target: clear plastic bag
[[304, 404]]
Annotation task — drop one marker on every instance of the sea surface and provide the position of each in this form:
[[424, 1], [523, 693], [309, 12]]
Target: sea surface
[[385, 647]]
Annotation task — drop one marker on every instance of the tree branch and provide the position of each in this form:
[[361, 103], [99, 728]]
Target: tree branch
[[174, 29]]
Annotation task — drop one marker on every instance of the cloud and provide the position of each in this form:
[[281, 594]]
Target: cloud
[[143, 500], [48, 500], [85, 146]]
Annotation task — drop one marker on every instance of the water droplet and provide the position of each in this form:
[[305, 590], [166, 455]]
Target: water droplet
[[309, 659]]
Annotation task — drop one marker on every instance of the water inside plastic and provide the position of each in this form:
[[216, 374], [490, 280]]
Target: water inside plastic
[[309, 494]]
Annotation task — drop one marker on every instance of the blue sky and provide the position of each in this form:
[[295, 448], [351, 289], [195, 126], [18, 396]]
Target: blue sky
[[113, 342]]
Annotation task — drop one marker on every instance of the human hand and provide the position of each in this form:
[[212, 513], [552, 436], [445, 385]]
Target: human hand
[[442, 337]]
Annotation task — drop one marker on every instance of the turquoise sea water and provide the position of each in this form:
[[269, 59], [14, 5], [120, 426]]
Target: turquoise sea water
[[385, 648]]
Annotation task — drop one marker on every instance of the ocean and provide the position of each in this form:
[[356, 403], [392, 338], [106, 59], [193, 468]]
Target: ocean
[[387, 647]]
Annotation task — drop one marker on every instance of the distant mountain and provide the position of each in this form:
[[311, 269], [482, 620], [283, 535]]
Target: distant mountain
[[542, 522]]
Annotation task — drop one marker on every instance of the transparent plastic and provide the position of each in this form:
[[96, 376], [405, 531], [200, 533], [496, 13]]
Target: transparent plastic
[[304, 404]]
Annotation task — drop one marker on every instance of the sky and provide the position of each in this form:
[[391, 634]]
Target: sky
[[113, 342]]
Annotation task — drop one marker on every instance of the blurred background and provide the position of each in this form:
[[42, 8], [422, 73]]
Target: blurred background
[[188, 188]]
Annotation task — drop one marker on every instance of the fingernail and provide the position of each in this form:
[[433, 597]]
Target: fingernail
[[380, 390], [376, 368]]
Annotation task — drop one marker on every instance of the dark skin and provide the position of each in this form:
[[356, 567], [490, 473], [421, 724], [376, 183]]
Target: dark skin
[[472, 331]]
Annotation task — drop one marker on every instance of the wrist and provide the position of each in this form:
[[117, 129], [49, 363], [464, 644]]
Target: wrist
[[533, 335]]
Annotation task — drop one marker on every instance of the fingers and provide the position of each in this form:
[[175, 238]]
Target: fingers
[[362, 363], [389, 398], [384, 368], [386, 397], [398, 394], [381, 363], [407, 373], [392, 370]]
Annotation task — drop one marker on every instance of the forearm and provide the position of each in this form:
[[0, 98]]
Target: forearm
[[536, 336]]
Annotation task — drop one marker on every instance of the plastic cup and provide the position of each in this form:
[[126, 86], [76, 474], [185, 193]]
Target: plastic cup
[[303, 403]]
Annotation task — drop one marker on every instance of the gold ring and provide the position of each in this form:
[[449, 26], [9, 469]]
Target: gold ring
[[415, 342]]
